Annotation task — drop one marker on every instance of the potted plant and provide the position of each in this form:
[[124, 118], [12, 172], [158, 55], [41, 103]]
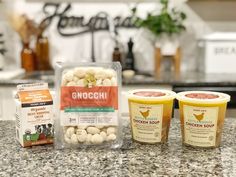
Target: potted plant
[[166, 26]]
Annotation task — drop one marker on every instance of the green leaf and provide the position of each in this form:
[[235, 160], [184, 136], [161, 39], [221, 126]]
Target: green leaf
[[134, 10], [169, 22], [164, 2], [183, 15]]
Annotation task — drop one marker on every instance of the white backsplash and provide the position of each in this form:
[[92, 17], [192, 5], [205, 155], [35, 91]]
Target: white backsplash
[[8, 37], [79, 48]]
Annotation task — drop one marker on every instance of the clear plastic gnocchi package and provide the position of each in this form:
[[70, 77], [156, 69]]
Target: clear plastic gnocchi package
[[87, 104]]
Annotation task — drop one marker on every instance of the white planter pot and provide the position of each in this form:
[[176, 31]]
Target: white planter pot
[[168, 44]]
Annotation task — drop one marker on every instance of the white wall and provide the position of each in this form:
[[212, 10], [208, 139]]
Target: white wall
[[8, 37], [78, 48]]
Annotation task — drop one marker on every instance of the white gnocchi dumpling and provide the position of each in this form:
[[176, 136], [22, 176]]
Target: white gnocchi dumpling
[[82, 138], [106, 82], [99, 82], [100, 75], [80, 83], [89, 70], [97, 139], [71, 83], [111, 130], [104, 135], [81, 131], [75, 79], [88, 138], [70, 131], [74, 139], [80, 72], [93, 130], [109, 73], [111, 137], [69, 76], [67, 140]]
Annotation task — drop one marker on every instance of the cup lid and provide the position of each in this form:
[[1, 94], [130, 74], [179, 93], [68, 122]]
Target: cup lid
[[151, 94], [203, 97]]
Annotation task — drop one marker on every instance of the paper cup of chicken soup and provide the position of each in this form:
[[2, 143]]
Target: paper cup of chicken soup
[[150, 114], [202, 115]]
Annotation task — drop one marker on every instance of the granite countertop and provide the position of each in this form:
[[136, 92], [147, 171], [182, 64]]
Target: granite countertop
[[185, 78], [132, 160], [165, 78]]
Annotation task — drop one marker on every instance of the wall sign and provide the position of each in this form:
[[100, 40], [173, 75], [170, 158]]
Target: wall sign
[[101, 21]]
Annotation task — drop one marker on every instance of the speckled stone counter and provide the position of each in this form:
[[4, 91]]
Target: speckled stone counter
[[132, 160], [165, 78]]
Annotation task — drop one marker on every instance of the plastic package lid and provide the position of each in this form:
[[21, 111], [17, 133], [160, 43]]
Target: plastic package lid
[[203, 97], [151, 94]]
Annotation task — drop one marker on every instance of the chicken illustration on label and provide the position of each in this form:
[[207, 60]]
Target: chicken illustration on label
[[145, 114], [199, 117]]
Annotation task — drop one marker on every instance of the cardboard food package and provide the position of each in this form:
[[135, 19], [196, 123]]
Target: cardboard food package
[[34, 115]]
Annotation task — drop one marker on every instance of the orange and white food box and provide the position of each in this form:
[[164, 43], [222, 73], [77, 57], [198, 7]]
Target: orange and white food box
[[34, 114], [88, 105]]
